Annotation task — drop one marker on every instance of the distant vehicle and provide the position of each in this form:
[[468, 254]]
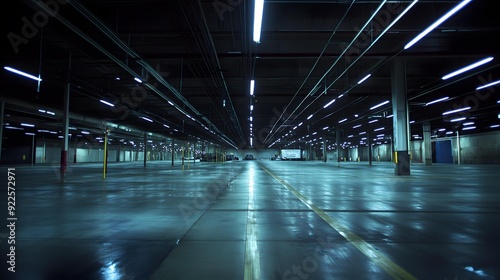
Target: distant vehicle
[[249, 157]]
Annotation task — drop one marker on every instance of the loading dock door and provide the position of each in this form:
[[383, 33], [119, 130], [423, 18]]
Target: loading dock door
[[443, 151]]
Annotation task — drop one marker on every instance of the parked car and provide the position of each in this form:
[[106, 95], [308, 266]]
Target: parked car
[[249, 157]]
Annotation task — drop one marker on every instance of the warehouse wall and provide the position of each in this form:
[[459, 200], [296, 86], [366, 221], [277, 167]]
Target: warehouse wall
[[50, 152], [475, 149]]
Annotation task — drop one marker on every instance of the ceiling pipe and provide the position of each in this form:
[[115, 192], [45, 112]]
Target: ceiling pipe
[[211, 59], [267, 139]]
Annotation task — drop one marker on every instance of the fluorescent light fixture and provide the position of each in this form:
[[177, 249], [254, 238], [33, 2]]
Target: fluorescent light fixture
[[488, 85], [378, 105], [42, 111], [343, 120], [252, 87], [350, 136], [251, 107], [310, 116], [147, 119], [442, 129], [325, 128], [138, 80], [166, 126], [314, 133], [437, 100], [356, 126], [372, 121], [251, 118], [170, 102], [251, 141], [295, 127], [456, 111], [27, 124], [469, 128], [458, 119], [329, 103], [300, 124], [468, 123], [495, 126], [257, 20], [29, 133], [51, 113], [22, 73], [13, 127], [117, 78], [107, 103], [449, 132], [435, 24], [412, 121], [85, 132], [364, 79], [361, 133], [467, 68], [378, 129], [356, 115], [390, 116]]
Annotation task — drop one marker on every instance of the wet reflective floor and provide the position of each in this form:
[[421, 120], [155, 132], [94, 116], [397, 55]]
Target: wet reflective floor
[[253, 220]]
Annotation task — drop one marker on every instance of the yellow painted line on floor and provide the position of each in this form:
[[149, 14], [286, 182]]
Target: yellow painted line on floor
[[395, 271]]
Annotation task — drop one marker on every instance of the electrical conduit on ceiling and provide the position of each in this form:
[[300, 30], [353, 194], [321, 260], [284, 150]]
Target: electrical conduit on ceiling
[[115, 39]]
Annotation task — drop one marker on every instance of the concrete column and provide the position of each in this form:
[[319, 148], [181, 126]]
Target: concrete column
[[337, 139], [145, 149], [400, 117], [324, 149], [369, 142], [65, 131], [426, 145], [173, 150]]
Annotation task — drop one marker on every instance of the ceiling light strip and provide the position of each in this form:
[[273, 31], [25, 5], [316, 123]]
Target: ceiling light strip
[[435, 24]]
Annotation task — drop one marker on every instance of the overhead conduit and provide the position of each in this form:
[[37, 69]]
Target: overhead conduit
[[115, 39], [351, 64]]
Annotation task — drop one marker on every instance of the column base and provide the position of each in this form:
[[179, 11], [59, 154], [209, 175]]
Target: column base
[[402, 166]]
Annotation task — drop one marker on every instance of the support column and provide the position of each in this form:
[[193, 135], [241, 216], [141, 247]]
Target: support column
[[324, 149], [118, 151], [337, 139], [426, 145], [369, 142], [105, 156], [65, 131], [400, 117], [459, 150], [2, 111], [33, 151], [145, 149], [173, 150]]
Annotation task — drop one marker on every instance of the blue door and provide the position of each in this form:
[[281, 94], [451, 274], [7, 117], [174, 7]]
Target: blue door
[[443, 152]]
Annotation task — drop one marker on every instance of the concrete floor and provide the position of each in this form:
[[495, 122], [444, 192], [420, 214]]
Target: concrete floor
[[255, 220]]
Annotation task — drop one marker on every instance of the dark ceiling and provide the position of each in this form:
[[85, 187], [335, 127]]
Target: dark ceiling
[[196, 60]]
